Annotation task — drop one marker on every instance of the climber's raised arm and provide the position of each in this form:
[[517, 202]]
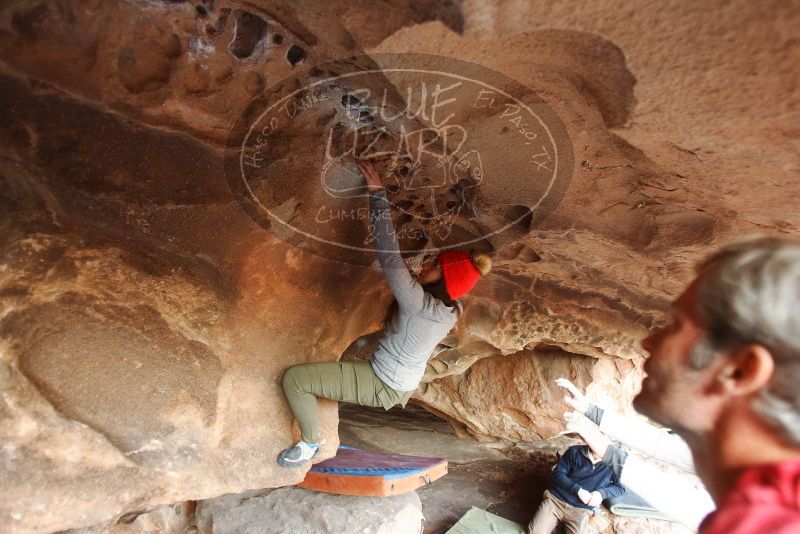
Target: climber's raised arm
[[632, 432], [408, 292]]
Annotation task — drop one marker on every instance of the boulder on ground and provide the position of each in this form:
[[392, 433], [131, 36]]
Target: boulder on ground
[[291, 510]]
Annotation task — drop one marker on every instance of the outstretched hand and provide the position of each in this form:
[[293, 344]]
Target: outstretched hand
[[578, 400], [588, 431], [370, 174]]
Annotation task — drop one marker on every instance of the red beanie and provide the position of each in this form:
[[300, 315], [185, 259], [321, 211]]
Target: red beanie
[[460, 275]]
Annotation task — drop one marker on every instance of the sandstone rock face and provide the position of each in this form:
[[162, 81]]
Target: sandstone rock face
[[146, 320], [176, 518], [515, 396], [290, 510], [658, 181], [146, 317]]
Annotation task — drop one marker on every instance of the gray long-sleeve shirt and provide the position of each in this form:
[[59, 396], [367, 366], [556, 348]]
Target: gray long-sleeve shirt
[[422, 320]]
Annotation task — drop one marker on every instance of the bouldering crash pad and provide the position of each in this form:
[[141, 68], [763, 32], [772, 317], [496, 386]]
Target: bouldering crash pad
[[370, 473]]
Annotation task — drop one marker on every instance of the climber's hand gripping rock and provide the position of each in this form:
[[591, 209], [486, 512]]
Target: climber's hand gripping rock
[[370, 174]]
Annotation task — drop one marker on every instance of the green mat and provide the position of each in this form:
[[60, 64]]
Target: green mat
[[478, 521]]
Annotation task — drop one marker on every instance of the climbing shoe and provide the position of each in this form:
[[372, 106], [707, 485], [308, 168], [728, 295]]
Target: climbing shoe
[[298, 455]]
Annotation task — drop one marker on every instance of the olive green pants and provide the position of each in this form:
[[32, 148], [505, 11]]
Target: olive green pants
[[353, 382]]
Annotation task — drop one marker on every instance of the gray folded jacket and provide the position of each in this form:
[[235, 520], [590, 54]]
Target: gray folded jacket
[[630, 504]]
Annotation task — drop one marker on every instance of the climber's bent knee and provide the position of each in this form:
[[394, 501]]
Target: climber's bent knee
[[292, 379]]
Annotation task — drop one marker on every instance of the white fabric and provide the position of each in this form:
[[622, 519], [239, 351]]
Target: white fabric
[[648, 439], [675, 495]]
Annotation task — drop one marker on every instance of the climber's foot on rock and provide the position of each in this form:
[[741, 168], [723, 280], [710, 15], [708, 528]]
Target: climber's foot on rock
[[298, 455]]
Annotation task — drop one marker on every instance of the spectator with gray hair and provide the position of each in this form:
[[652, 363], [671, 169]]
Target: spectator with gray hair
[[724, 375]]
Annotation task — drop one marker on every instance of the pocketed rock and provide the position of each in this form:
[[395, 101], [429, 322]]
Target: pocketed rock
[[514, 397], [175, 518]]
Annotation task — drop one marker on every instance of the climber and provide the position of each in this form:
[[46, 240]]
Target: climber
[[724, 375], [579, 484], [426, 310], [676, 496]]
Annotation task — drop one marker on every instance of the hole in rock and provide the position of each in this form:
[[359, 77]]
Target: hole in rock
[[250, 29], [27, 22], [295, 55], [365, 117], [219, 25], [523, 213], [519, 252], [130, 517], [349, 101], [404, 218]]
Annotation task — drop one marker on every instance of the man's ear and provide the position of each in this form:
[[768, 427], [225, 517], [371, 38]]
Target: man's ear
[[747, 370]]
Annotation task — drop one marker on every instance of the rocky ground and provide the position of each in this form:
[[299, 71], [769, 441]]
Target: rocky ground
[[502, 477], [487, 475]]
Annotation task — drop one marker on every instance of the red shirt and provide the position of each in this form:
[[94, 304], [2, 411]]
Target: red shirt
[[764, 499]]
